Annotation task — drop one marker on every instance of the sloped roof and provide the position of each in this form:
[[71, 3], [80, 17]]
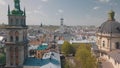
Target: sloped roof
[[49, 60], [42, 47]]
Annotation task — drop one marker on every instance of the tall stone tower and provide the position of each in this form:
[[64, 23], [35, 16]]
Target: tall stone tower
[[61, 21], [16, 44]]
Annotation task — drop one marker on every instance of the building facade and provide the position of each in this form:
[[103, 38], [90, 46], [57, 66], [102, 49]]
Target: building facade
[[16, 44], [108, 41], [108, 35]]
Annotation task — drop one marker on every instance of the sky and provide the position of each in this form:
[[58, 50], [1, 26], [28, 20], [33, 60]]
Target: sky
[[74, 12]]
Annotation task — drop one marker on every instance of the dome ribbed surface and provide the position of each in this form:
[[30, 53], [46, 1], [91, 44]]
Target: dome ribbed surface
[[109, 26]]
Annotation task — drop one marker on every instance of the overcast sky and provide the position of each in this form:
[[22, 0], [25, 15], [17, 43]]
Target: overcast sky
[[74, 12]]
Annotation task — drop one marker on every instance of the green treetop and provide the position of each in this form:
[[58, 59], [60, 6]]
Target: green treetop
[[67, 48]]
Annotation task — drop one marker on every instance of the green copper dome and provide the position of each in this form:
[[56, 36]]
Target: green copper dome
[[17, 12]]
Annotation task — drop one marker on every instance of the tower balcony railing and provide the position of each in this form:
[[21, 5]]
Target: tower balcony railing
[[17, 42], [113, 35], [13, 26]]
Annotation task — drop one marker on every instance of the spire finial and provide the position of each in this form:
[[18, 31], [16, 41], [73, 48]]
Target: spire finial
[[111, 15], [8, 10], [41, 24], [24, 12]]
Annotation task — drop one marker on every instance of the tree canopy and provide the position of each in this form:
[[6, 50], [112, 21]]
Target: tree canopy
[[85, 58], [2, 58], [67, 48]]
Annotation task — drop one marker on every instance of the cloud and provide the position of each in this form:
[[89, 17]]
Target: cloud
[[113, 4], [96, 8], [2, 2], [60, 11], [39, 7], [36, 11], [104, 1], [44, 0], [56, 14]]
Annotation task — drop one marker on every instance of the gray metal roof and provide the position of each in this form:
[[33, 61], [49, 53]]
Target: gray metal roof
[[109, 26]]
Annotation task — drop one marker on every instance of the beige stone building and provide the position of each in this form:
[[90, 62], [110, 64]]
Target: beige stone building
[[108, 40], [16, 44]]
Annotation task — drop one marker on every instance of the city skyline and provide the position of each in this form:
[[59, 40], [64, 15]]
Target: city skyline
[[77, 12]]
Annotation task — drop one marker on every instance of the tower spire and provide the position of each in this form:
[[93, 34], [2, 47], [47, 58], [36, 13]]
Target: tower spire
[[17, 10], [17, 4], [8, 10], [111, 15]]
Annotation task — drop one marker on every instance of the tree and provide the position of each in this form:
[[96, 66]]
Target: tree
[[2, 58], [85, 58], [67, 48]]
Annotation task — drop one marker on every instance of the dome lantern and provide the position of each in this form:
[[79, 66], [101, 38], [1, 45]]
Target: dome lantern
[[111, 15]]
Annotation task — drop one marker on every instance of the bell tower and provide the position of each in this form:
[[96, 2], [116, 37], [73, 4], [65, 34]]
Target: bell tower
[[16, 44], [61, 21]]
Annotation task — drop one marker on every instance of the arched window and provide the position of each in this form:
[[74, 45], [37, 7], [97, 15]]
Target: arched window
[[103, 43], [11, 36], [117, 45], [16, 52], [16, 36], [17, 55], [11, 55]]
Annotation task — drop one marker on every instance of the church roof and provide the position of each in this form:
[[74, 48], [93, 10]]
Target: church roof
[[17, 10], [115, 55], [42, 47], [110, 26], [49, 60]]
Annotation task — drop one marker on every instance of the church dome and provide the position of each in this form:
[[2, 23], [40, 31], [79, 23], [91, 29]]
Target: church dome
[[110, 26], [17, 12]]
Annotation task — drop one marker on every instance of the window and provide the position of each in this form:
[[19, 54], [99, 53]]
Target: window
[[24, 35], [11, 21], [11, 55], [16, 54], [24, 22], [17, 39], [16, 36], [11, 36], [103, 43], [108, 42], [21, 22], [17, 22], [117, 45]]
